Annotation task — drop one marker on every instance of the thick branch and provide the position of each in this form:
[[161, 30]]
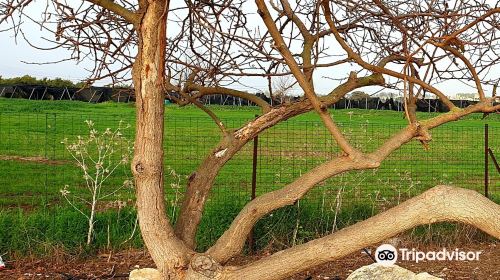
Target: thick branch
[[128, 15], [199, 185], [484, 107], [169, 253], [439, 204], [232, 241], [202, 91]]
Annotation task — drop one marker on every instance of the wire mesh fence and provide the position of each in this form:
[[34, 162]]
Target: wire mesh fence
[[35, 165]]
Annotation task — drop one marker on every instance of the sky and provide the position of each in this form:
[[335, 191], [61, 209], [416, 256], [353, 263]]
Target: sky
[[16, 54]]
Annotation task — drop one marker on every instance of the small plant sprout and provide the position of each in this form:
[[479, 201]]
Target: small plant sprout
[[350, 113], [97, 155]]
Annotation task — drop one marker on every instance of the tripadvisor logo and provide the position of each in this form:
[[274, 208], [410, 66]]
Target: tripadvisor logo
[[441, 255], [387, 255]]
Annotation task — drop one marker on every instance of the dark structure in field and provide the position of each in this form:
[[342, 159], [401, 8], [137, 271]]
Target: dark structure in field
[[90, 94], [103, 94]]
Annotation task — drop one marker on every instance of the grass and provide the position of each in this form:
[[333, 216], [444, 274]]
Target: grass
[[32, 208], [40, 232]]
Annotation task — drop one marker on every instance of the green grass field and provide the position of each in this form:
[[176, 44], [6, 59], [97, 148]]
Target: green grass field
[[34, 166]]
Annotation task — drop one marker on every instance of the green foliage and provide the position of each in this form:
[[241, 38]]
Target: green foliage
[[215, 221], [358, 95], [62, 228], [29, 80]]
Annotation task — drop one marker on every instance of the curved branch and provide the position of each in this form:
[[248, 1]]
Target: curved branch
[[467, 63], [200, 105], [202, 91], [231, 243], [439, 204], [125, 13]]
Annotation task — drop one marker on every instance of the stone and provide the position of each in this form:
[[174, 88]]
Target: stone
[[393, 272], [426, 276], [145, 274]]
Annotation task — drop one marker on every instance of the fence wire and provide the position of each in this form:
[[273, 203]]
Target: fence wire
[[35, 166]]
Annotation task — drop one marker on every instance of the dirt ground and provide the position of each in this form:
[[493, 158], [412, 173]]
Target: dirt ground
[[35, 160], [118, 265]]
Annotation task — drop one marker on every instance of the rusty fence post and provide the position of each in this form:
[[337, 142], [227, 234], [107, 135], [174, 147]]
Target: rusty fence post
[[486, 148]]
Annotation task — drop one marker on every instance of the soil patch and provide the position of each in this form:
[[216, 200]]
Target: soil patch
[[35, 159], [118, 265]]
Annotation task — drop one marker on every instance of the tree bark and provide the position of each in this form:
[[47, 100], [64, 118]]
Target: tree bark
[[439, 204], [168, 252], [199, 185]]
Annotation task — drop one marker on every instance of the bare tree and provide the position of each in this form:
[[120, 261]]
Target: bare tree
[[358, 96], [404, 45], [280, 91]]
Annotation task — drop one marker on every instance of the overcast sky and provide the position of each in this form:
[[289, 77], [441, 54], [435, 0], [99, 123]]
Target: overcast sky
[[15, 53]]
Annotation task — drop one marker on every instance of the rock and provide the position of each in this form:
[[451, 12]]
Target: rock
[[393, 272], [145, 274], [425, 276]]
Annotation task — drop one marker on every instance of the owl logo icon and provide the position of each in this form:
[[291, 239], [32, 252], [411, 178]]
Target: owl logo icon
[[386, 255]]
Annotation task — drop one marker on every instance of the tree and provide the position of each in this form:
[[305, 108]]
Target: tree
[[28, 80], [407, 46], [358, 96], [280, 90]]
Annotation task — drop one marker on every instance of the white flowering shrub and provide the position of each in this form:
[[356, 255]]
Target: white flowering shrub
[[175, 186], [98, 155]]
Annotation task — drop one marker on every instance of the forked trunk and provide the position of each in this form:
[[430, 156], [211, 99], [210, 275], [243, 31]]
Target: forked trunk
[[176, 260]]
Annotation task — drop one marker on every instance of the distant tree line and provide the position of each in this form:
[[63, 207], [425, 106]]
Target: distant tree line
[[30, 80]]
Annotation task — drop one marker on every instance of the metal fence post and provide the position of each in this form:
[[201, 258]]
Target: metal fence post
[[251, 241], [254, 165], [486, 147]]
